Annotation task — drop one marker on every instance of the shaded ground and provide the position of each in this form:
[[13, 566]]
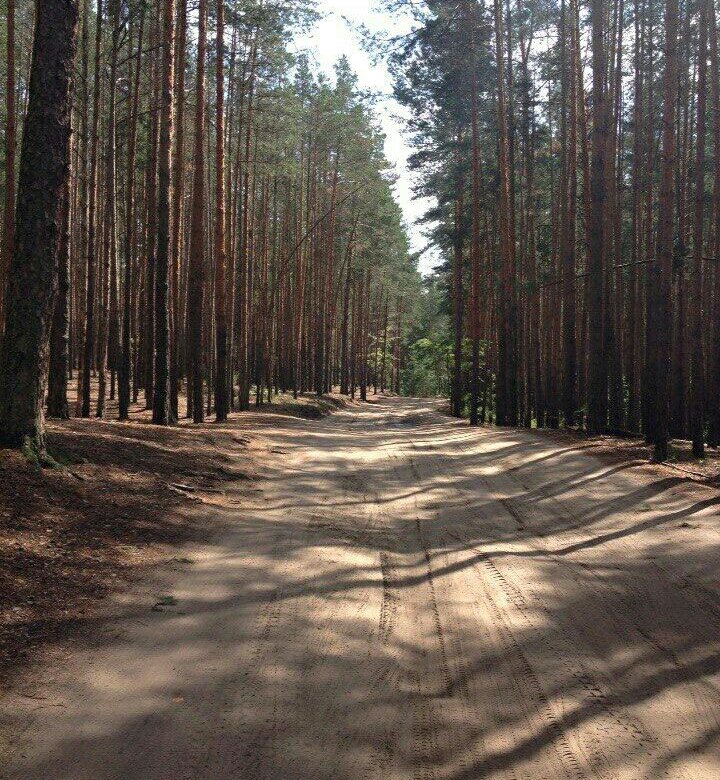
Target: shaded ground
[[68, 539], [680, 458], [408, 598], [125, 501]]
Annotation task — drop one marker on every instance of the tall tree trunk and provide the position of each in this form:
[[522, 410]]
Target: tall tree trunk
[[178, 192], [507, 368], [221, 388], [697, 378], [458, 245], [344, 325], [152, 216], [648, 383], [91, 250], [82, 205], [44, 169], [475, 293], [161, 397], [587, 208], [129, 300], [60, 332], [598, 373], [659, 307], [533, 390], [613, 277], [10, 143], [108, 314], [714, 356], [196, 280], [632, 353], [569, 386]]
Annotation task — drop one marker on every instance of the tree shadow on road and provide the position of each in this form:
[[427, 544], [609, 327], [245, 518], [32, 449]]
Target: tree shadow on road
[[460, 605]]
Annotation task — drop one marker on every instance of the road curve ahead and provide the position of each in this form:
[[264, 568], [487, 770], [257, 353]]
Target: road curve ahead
[[405, 598]]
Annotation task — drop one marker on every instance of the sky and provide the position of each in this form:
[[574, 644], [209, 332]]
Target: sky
[[333, 37]]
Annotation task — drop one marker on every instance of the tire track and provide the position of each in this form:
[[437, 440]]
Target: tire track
[[390, 598], [439, 632], [533, 688], [560, 648]]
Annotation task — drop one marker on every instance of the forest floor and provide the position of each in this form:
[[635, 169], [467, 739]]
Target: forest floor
[[391, 595], [121, 505], [634, 448]]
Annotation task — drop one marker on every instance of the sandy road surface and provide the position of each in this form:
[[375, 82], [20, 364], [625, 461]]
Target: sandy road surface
[[407, 598]]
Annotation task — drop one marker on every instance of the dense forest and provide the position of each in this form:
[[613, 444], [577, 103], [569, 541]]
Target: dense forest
[[573, 153], [198, 220], [296, 486], [214, 221]]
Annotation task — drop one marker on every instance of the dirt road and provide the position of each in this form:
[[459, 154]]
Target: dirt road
[[407, 598]]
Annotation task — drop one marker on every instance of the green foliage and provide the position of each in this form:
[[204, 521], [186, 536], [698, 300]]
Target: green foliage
[[427, 370], [428, 355]]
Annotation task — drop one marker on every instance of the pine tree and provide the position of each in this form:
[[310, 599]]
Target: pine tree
[[44, 169], [163, 261]]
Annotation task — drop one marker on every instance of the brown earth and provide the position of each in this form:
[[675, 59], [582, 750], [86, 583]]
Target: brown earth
[[399, 596], [120, 506]]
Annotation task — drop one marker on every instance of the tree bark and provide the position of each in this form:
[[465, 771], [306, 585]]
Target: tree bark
[[196, 280], [569, 386], [659, 307], [458, 314], [714, 352], [697, 377], [125, 368], [475, 293], [597, 368], [60, 333], [10, 144], [178, 193], [507, 369], [44, 168], [221, 388], [161, 396], [107, 341], [632, 353], [91, 249]]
